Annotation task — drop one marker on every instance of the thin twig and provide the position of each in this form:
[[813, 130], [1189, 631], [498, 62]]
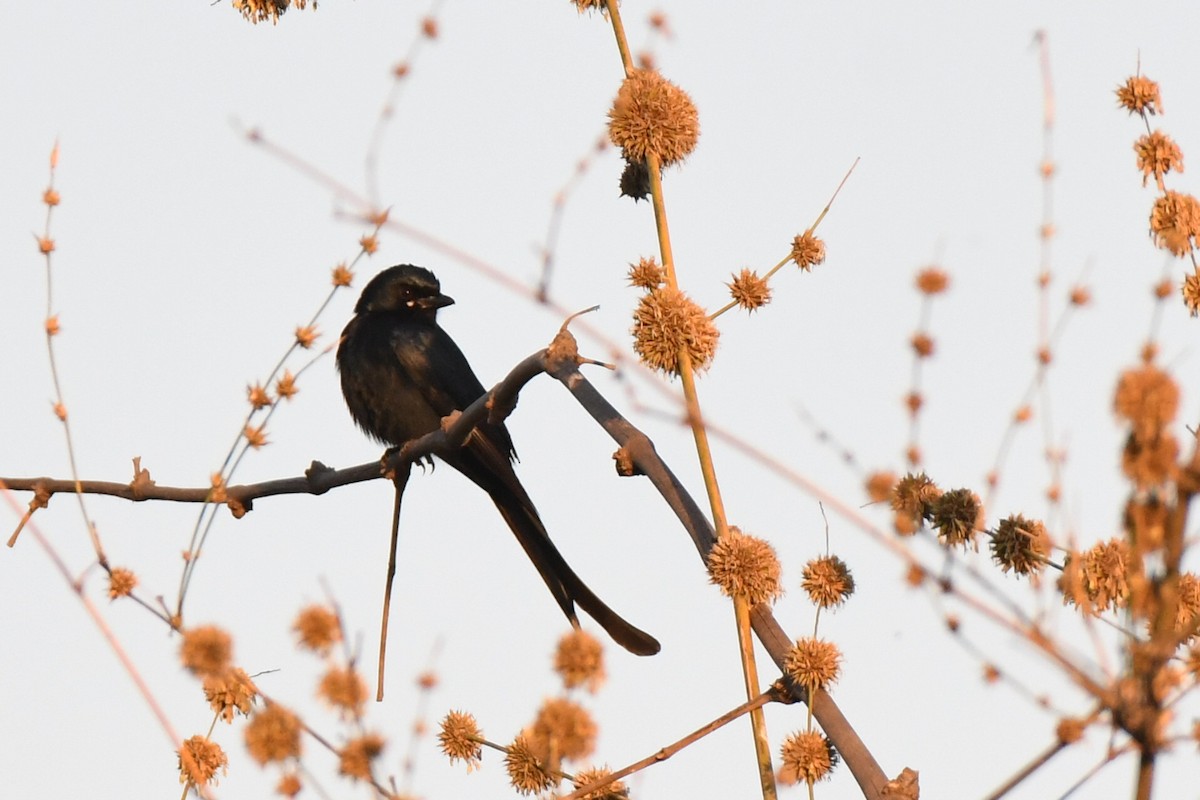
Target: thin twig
[[773, 694]]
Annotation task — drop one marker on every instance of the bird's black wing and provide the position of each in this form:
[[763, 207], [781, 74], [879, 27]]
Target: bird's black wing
[[434, 363]]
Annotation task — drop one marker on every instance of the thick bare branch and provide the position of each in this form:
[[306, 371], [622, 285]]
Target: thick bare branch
[[563, 365]]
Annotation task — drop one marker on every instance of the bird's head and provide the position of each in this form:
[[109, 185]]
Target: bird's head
[[403, 288]]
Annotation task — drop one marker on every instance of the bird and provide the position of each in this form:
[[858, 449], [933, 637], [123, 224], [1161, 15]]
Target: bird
[[401, 374]]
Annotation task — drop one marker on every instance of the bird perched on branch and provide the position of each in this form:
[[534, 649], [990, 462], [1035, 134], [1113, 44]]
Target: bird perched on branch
[[401, 374]]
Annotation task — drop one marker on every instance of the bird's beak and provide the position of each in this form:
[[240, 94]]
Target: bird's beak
[[435, 302]]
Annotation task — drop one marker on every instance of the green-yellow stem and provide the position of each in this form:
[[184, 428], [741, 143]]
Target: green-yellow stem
[[614, 16], [687, 373], [758, 722], [700, 435]]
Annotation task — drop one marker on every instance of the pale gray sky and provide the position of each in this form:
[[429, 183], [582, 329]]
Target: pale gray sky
[[186, 256]]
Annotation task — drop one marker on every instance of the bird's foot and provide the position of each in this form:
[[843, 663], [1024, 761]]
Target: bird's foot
[[394, 456]]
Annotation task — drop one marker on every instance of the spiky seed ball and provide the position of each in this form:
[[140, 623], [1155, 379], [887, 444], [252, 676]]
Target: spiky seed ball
[[256, 11], [258, 396], [1152, 461], [206, 650], [200, 760], [579, 661], [667, 320], [306, 336], [589, 5], [460, 737], [1147, 398], [814, 663], [256, 437], [563, 729], [1097, 579], [1020, 545], [1157, 154], [1191, 293], [610, 791], [647, 273], [230, 692], [285, 387], [879, 485], [749, 290], [651, 115], [121, 583], [342, 275], [1139, 95], [807, 251], [345, 690], [828, 581], [525, 772], [957, 515], [273, 734], [807, 756], [354, 760], [317, 629], [913, 495], [745, 566], [922, 344], [1175, 222], [932, 280], [289, 785], [914, 401]]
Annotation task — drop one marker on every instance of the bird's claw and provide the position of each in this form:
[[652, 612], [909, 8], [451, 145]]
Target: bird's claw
[[395, 454]]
